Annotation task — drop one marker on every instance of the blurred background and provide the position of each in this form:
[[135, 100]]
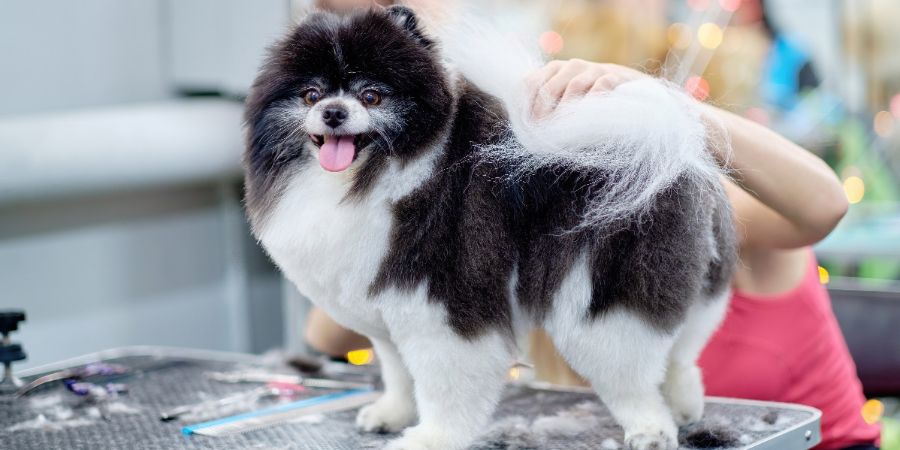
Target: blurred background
[[120, 138]]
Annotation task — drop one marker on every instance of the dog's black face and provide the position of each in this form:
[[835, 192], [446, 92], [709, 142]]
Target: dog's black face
[[357, 88]]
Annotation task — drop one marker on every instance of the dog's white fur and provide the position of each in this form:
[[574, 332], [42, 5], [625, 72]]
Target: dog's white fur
[[312, 227], [621, 356], [358, 120], [683, 386], [452, 384]]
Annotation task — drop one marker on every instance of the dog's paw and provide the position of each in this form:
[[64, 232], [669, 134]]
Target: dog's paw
[[656, 435], [652, 441], [683, 390], [425, 438], [386, 415]]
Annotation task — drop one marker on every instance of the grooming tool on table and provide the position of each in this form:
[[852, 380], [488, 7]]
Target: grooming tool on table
[[108, 371], [260, 376], [76, 373], [305, 364], [85, 389], [271, 389], [283, 413]]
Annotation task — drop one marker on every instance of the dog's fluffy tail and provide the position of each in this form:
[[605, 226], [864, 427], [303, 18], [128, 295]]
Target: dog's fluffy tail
[[645, 135]]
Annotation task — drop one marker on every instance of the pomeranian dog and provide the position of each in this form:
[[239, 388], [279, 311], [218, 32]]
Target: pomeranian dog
[[406, 190]]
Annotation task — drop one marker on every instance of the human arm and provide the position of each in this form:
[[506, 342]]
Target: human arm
[[326, 336]]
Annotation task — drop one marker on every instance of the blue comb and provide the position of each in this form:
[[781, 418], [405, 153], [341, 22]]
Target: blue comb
[[274, 415]]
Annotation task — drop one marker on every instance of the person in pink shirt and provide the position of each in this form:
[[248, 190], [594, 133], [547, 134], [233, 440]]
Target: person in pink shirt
[[780, 340]]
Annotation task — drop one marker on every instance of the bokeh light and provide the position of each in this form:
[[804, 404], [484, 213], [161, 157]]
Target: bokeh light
[[872, 411], [679, 35], [730, 5], [758, 115], [360, 357], [883, 123], [698, 5], [855, 189], [698, 87], [824, 277], [551, 42], [710, 35], [895, 106], [733, 43]]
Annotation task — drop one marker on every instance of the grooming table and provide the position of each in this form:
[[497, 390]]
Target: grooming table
[[531, 416]]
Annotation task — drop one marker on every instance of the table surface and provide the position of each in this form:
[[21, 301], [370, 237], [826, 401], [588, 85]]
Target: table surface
[[530, 416]]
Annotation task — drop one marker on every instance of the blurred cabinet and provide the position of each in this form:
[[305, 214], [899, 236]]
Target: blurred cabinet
[[61, 54], [218, 45]]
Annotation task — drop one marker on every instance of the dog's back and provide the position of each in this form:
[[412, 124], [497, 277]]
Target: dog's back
[[482, 222]]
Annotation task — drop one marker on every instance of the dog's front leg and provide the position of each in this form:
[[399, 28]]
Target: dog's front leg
[[396, 409], [458, 381]]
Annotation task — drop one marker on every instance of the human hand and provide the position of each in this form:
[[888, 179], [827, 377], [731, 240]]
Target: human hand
[[559, 81]]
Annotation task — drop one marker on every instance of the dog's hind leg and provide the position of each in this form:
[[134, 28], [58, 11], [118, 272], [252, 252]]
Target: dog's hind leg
[[396, 409], [683, 386], [458, 381], [622, 357]]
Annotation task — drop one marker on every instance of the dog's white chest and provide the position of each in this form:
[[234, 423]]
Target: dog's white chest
[[332, 248]]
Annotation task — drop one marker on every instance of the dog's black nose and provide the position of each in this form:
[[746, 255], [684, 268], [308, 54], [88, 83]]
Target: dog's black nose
[[334, 116]]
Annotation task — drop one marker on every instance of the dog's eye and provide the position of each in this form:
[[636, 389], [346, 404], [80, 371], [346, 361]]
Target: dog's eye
[[311, 96], [370, 97]]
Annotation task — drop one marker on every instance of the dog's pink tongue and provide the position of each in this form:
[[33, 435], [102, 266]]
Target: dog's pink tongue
[[336, 154]]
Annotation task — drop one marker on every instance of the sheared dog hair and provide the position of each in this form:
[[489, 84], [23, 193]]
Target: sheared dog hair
[[405, 189]]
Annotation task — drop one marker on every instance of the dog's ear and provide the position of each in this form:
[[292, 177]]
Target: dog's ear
[[406, 19]]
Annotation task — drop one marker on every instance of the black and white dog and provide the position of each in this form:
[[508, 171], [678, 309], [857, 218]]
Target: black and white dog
[[406, 190]]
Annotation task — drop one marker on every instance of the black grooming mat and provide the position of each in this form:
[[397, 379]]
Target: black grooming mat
[[529, 417]]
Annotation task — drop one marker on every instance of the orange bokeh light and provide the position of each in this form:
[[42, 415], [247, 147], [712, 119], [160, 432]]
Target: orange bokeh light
[[730, 5], [698, 87], [884, 123], [872, 411], [698, 5], [758, 115], [551, 42]]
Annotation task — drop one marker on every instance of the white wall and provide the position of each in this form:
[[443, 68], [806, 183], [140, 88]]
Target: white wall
[[218, 45], [100, 263], [67, 54]]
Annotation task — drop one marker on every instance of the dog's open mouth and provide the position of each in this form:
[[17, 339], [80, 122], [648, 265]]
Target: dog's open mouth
[[337, 152]]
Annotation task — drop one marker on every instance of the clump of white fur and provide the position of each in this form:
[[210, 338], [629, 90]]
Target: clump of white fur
[[645, 134]]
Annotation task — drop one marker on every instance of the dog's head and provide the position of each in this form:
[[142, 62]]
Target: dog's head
[[357, 88]]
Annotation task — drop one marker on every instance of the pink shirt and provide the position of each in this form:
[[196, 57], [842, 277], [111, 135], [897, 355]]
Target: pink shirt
[[788, 348]]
